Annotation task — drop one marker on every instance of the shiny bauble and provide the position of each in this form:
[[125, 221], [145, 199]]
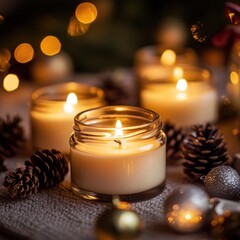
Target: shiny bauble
[[186, 208], [118, 224], [223, 182]]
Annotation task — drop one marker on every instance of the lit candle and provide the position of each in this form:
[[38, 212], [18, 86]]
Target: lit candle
[[186, 101], [117, 150], [53, 109]]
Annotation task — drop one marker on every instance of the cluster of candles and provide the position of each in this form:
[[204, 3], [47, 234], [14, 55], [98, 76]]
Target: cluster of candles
[[120, 150]]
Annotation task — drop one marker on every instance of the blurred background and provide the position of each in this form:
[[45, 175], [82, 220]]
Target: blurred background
[[95, 42], [108, 40]]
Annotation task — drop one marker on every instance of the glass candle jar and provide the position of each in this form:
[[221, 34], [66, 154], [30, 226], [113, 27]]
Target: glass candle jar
[[182, 94], [53, 109], [117, 150]]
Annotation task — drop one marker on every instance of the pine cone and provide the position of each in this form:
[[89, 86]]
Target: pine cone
[[21, 183], [2, 166], [50, 167], [45, 169], [203, 149], [11, 135], [175, 137]]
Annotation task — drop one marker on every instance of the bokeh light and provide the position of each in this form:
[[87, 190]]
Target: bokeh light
[[86, 12], [11, 82], [168, 57], [50, 45], [76, 28], [5, 57], [198, 32], [234, 78], [24, 53]]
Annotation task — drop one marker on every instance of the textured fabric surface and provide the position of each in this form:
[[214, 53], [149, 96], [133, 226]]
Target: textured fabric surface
[[58, 213]]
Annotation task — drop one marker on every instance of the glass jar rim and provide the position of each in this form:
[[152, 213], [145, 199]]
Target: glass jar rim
[[191, 73], [57, 93], [147, 116]]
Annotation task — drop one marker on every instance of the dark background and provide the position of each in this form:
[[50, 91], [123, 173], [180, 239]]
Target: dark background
[[119, 30]]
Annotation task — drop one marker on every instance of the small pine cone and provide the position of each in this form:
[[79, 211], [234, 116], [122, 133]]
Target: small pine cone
[[2, 166], [11, 135], [175, 137], [203, 149], [50, 167], [21, 183]]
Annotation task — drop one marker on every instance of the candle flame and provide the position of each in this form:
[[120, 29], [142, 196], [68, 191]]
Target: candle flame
[[72, 98], [182, 85], [70, 102], [168, 57], [118, 129]]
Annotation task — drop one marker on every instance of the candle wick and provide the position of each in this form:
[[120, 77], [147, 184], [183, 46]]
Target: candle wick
[[119, 142]]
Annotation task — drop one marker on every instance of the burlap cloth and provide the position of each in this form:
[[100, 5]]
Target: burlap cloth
[[60, 214]]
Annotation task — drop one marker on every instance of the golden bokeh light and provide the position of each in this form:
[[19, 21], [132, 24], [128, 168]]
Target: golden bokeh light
[[5, 57], [11, 82], [50, 45], [168, 57], [86, 12], [234, 77], [24, 53], [76, 28]]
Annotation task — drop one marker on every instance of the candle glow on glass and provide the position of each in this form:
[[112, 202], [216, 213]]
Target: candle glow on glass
[[177, 72], [181, 86], [70, 102]]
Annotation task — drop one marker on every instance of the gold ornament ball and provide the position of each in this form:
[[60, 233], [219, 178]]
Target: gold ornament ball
[[118, 224], [186, 208]]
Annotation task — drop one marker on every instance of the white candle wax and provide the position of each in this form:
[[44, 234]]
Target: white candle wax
[[52, 130], [109, 159], [112, 170], [53, 109], [195, 105]]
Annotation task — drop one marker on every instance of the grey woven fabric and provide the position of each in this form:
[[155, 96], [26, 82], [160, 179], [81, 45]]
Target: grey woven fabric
[[60, 214]]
